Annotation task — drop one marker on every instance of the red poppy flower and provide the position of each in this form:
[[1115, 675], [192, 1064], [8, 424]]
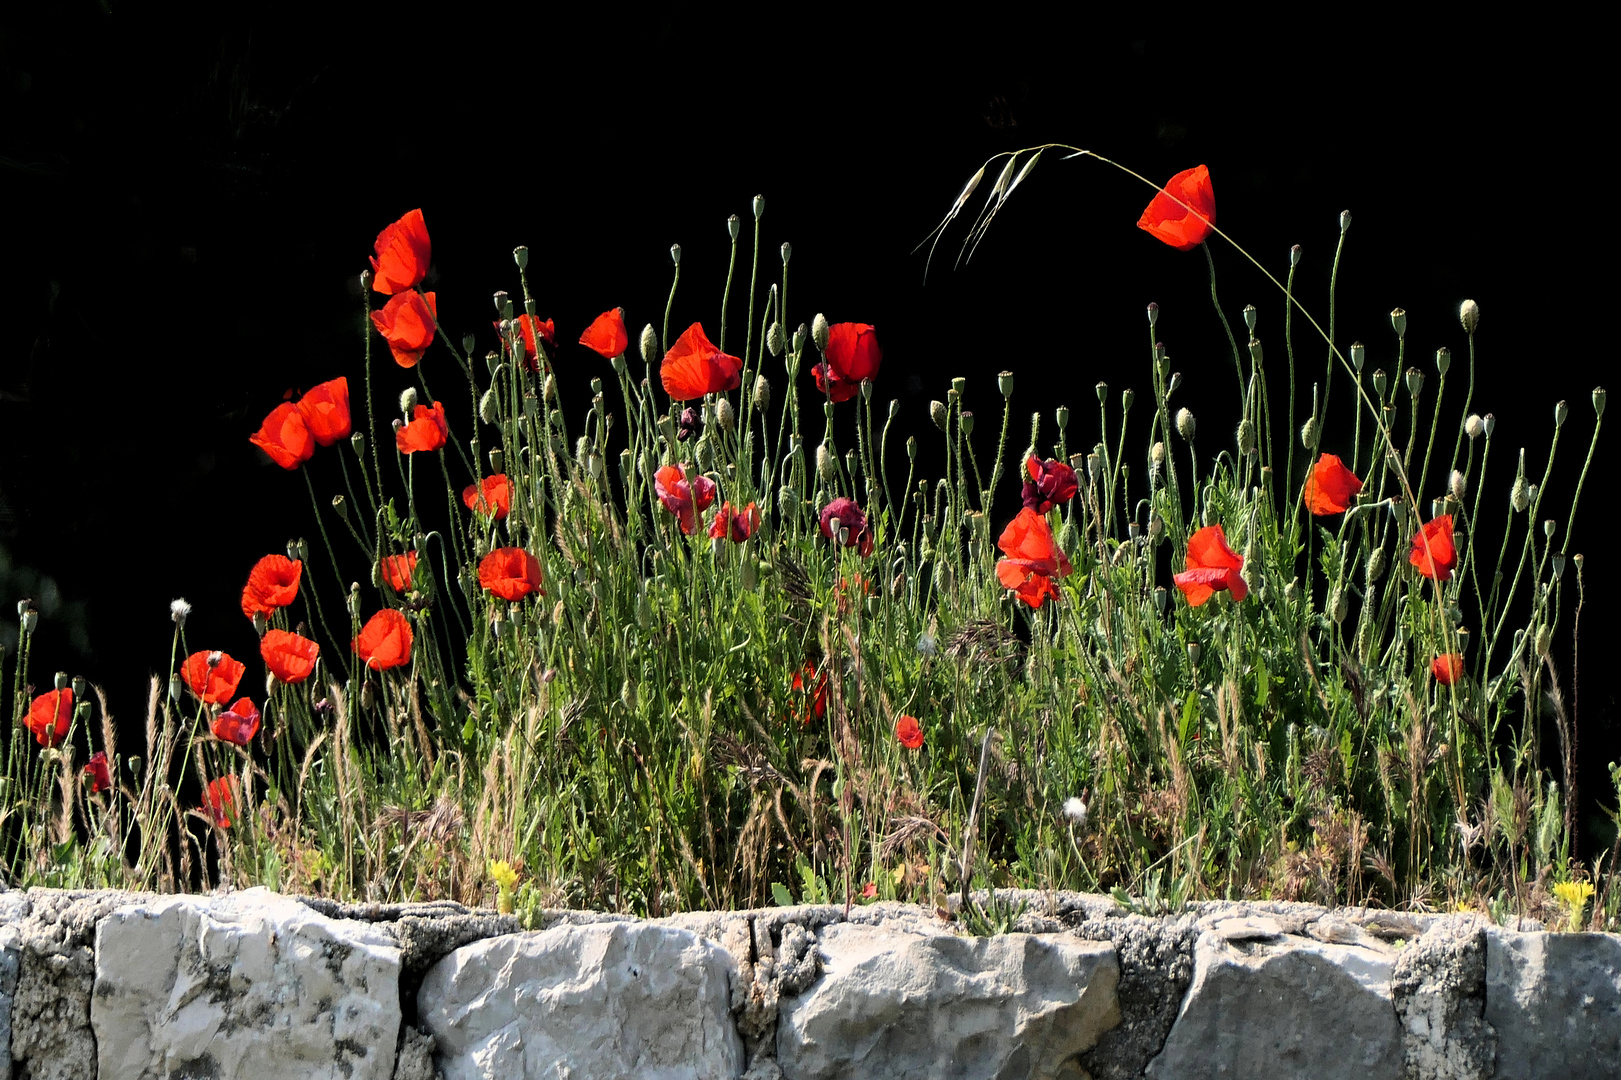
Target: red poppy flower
[[909, 732], [683, 497], [238, 724], [1176, 224], [1330, 487], [98, 773], [528, 327], [1033, 559], [427, 430], [492, 496], [510, 573], [1433, 552], [852, 354], [289, 657], [325, 410], [385, 641], [1212, 567], [285, 437], [272, 584], [738, 524], [219, 801], [49, 716], [214, 682], [606, 335], [400, 570], [814, 706], [407, 323], [1051, 482], [403, 252], [1447, 669], [850, 517], [694, 367]]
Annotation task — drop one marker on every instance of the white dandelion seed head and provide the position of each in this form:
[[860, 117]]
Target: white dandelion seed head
[[1075, 810], [179, 608]]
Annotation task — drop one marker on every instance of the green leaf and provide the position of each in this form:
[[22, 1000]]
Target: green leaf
[[1190, 712], [780, 893]]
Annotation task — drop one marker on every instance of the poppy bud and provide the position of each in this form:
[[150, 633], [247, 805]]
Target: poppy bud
[[1194, 652], [1345, 220], [1443, 359], [1246, 437], [1398, 322], [1561, 412], [1249, 318], [1162, 365], [675, 254], [1549, 527], [1308, 434], [1359, 354], [1520, 495], [261, 623], [176, 687], [1291, 592], [1474, 426], [1156, 528], [759, 206], [487, 405], [178, 610], [1176, 381], [725, 415], [1544, 639], [762, 393], [937, 413], [650, 344], [787, 252], [819, 331], [368, 696], [1338, 606], [911, 448], [967, 422], [498, 460], [503, 307], [1153, 314], [1294, 256], [1459, 485], [824, 463], [354, 599], [1185, 425], [732, 227], [1156, 453], [341, 505], [977, 525], [773, 339], [1489, 422], [1415, 381], [799, 339], [1376, 565], [1469, 316], [1069, 538], [1061, 414]]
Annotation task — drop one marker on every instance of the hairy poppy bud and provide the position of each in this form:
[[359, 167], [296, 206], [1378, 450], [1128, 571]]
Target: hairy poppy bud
[[487, 406], [1308, 434], [1519, 496], [1255, 351], [1069, 538], [824, 463], [762, 393], [1469, 316], [967, 422], [1359, 354], [1156, 453], [365, 281], [1561, 412], [1153, 314], [1338, 606], [1156, 528], [725, 415], [649, 344], [1443, 359], [937, 413], [1376, 565], [819, 330], [1249, 318], [1474, 426], [1294, 256], [1458, 485], [1246, 437], [1345, 220], [1415, 381], [1544, 639], [408, 400], [1598, 402], [1004, 383], [1398, 322], [799, 339], [1185, 425], [773, 339], [354, 599]]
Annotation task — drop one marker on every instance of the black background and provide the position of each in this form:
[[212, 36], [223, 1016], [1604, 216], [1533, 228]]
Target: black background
[[187, 201]]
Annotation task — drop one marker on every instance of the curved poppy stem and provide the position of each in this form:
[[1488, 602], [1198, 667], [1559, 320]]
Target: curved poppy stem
[[1232, 342], [315, 597]]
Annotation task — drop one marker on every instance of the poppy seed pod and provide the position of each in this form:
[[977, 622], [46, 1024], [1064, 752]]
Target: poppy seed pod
[[1398, 321], [850, 463], [1249, 318], [503, 307], [966, 420], [1415, 381], [1061, 416], [819, 330], [1195, 650], [911, 448], [492, 361], [1561, 412], [1185, 425], [937, 413], [520, 255], [408, 400], [1127, 397], [1359, 354], [759, 207], [1161, 598], [62, 680], [1598, 402], [1558, 566], [358, 441], [1549, 527], [762, 393], [1153, 314], [733, 225], [1489, 423], [1255, 351], [1469, 316], [675, 254], [1294, 256], [1004, 383], [959, 386], [649, 344], [498, 460], [1102, 389], [1474, 426], [1443, 359], [1345, 220], [787, 252], [341, 505]]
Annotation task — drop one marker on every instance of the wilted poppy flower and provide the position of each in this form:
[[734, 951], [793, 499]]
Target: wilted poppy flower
[[1447, 669], [399, 570], [1212, 567], [285, 437], [853, 525], [407, 323], [814, 706], [238, 724], [98, 773], [528, 327], [219, 801], [1330, 487], [49, 716], [684, 497], [272, 584], [1433, 552], [1175, 223], [1050, 482], [385, 641], [403, 252], [427, 430], [325, 410], [1033, 559], [289, 657], [491, 496], [909, 732], [852, 355], [694, 367], [510, 573], [606, 335], [214, 682], [737, 524]]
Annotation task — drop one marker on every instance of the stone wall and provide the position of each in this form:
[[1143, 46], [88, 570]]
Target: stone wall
[[255, 986]]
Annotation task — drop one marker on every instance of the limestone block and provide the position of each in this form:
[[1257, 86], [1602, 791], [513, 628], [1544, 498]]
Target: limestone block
[[912, 1002], [50, 1011], [1440, 989], [245, 986], [1555, 1000], [14, 909], [1290, 1008], [584, 1002]]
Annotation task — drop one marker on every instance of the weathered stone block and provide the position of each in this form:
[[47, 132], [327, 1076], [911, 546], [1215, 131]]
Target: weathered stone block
[[1555, 1000]]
